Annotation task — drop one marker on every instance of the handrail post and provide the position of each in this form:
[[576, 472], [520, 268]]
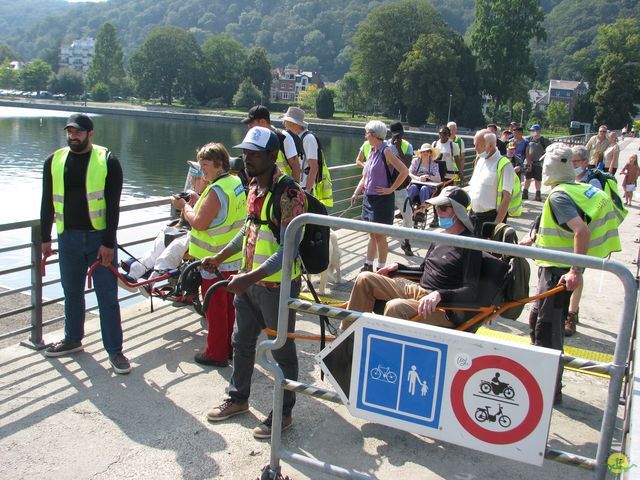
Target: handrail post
[[35, 340]]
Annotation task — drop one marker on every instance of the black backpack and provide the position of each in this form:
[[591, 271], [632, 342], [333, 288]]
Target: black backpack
[[296, 140], [314, 247], [391, 176]]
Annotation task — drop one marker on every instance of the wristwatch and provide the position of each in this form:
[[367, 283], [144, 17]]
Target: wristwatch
[[577, 269]]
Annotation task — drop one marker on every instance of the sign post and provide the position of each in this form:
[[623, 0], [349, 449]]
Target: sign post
[[486, 394]]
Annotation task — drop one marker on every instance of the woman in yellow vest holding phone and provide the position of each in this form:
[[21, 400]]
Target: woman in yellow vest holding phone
[[215, 219]]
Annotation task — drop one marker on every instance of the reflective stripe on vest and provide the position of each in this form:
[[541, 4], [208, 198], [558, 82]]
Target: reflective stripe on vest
[[95, 182], [214, 239], [602, 220], [266, 246], [515, 204]]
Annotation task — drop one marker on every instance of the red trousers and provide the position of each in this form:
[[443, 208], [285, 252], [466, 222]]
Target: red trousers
[[220, 318]]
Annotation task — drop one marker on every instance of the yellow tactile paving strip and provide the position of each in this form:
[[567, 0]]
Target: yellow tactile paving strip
[[487, 332]]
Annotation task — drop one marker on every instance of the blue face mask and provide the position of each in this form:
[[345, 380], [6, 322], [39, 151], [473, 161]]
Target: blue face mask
[[482, 155], [446, 222], [578, 170]]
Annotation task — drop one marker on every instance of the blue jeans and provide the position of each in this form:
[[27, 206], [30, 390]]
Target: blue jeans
[[77, 250], [256, 308]]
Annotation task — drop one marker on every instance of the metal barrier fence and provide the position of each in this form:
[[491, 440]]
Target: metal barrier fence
[[37, 303], [616, 369]]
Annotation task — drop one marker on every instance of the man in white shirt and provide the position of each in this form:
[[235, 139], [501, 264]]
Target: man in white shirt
[[293, 120], [453, 128], [485, 204], [449, 153]]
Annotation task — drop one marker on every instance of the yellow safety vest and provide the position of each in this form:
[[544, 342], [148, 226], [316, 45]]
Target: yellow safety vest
[[601, 217], [212, 240], [283, 163], [515, 204], [266, 245], [96, 177], [366, 148]]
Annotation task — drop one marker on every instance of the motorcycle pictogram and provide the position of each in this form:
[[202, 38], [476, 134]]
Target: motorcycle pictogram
[[497, 387], [483, 414]]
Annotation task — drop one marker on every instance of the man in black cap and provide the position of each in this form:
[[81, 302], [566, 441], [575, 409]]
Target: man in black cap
[[404, 151], [290, 152], [81, 186]]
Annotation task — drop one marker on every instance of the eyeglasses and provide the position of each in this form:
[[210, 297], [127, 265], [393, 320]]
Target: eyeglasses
[[443, 208], [602, 131], [443, 133]]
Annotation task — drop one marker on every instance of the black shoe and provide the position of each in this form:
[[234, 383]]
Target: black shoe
[[406, 248], [525, 194], [202, 359], [366, 268], [433, 224], [63, 347], [557, 399], [538, 197], [398, 215], [120, 363]]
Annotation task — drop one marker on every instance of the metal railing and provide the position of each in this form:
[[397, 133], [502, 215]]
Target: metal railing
[[616, 369], [34, 266]]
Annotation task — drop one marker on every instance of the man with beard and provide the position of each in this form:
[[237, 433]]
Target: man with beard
[[257, 285], [81, 186]]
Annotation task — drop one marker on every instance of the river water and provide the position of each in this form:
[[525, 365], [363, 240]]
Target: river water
[[153, 154]]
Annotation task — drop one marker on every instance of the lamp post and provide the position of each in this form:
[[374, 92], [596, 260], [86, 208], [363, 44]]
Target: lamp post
[[449, 112]]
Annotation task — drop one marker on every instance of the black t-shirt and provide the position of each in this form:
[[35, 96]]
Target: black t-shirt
[[76, 210], [452, 271]]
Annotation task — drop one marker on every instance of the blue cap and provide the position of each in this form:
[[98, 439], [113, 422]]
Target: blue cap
[[535, 126]]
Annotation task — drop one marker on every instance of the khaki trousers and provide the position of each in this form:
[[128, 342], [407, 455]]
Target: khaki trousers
[[402, 297]]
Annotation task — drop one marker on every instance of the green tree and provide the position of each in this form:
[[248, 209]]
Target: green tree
[[247, 95], [617, 89], [558, 114], [224, 59], [307, 98], [349, 94], [258, 70], [100, 92], [8, 77], [428, 73], [381, 42], [502, 33], [7, 53], [583, 108], [35, 76], [324, 103], [167, 64], [67, 81], [107, 64]]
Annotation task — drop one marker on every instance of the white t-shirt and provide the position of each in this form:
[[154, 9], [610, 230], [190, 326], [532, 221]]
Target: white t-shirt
[[483, 186], [445, 150], [310, 145], [289, 145]]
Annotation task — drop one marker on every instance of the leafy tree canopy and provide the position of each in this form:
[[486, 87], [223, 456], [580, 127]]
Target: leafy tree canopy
[[35, 76], [107, 63]]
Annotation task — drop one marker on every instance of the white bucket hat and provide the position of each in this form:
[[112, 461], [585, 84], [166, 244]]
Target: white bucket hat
[[557, 166], [295, 115]]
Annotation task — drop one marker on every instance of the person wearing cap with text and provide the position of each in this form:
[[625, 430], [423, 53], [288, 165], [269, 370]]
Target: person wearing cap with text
[[294, 122], [449, 274], [81, 187], [257, 285], [288, 160], [576, 218]]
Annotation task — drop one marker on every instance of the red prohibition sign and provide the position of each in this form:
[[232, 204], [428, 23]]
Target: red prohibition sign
[[514, 435]]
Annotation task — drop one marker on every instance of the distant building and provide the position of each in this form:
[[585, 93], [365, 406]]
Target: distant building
[[539, 100], [78, 55], [566, 91], [16, 65], [287, 83]]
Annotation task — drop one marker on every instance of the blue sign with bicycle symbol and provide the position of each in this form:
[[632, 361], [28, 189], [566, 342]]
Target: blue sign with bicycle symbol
[[402, 377]]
